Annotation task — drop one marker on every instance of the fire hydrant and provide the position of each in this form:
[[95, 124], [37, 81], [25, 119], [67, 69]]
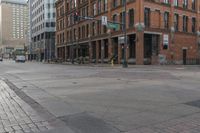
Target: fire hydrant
[[112, 62]]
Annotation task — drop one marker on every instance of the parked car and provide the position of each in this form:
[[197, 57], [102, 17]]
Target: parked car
[[1, 59], [20, 58]]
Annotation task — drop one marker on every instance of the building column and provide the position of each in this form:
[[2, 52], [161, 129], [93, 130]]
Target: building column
[[140, 35], [110, 48], [66, 53], [110, 44], [97, 51], [198, 27], [90, 52], [140, 48], [102, 50], [119, 53], [127, 48]]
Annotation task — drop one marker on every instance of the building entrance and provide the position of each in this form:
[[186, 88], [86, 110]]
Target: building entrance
[[151, 47]]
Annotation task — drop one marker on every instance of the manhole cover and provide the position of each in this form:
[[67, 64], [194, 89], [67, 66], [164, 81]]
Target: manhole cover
[[194, 103]]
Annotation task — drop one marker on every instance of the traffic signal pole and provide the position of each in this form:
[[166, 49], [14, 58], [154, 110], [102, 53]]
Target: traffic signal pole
[[125, 64]]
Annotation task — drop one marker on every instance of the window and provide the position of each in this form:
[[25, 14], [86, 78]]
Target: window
[[147, 17], [132, 51], [176, 3], [131, 18], [185, 3], [99, 6], [54, 15], [176, 22], [166, 20], [185, 23], [122, 20], [122, 2], [114, 19], [105, 5], [74, 34], [193, 25], [52, 24], [87, 30], [47, 24], [166, 1], [114, 3], [93, 28], [49, 15], [99, 27], [193, 4], [94, 10]]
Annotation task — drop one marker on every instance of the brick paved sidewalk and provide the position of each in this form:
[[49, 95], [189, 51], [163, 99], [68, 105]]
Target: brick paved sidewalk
[[16, 116]]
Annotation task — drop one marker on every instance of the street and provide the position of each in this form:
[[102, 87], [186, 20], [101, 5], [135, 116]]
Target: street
[[55, 98]]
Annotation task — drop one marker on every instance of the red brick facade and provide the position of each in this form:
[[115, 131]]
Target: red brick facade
[[95, 43]]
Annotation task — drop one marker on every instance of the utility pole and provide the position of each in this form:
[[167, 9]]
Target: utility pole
[[44, 47], [125, 64]]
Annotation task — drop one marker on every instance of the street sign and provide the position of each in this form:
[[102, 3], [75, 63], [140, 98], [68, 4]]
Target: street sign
[[121, 40], [140, 27], [113, 26], [166, 39], [104, 20]]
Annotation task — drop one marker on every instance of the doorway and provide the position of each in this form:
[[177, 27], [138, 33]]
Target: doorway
[[184, 56], [115, 50], [151, 47]]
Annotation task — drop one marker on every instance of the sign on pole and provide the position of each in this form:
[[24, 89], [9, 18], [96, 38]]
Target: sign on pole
[[121, 40], [113, 26], [104, 20]]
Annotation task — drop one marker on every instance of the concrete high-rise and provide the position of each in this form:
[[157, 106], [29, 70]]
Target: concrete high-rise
[[42, 22], [13, 24]]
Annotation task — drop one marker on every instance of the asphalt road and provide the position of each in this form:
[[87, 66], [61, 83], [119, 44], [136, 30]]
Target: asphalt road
[[86, 99]]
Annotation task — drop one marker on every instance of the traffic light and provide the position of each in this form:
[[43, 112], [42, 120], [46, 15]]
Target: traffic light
[[76, 17]]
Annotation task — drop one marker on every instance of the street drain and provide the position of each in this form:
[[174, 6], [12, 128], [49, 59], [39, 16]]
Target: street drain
[[194, 103]]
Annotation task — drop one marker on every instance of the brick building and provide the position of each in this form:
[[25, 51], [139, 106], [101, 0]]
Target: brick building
[[157, 30]]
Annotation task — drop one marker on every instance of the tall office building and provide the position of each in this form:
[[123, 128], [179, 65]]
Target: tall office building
[[28, 33], [13, 24], [42, 22]]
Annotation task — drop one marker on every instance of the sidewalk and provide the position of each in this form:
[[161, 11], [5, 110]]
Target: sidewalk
[[16, 115], [129, 66]]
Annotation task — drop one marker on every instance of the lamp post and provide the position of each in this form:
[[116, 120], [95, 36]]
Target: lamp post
[[125, 64]]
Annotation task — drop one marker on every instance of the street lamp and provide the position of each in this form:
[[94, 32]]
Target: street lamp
[[125, 64]]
